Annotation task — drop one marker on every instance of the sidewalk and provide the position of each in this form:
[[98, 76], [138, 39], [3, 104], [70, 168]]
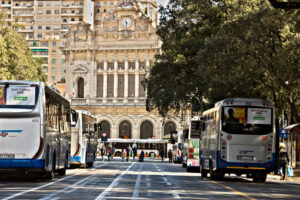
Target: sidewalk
[[272, 177]]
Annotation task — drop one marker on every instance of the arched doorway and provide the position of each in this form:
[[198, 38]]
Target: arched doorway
[[80, 86], [146, 130], [169, 126], [105, 128], [125, 130]]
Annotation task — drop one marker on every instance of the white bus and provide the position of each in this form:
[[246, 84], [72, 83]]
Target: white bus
[[149, 146], [84, 139], [191, 145], [34, 128], [238, 137]]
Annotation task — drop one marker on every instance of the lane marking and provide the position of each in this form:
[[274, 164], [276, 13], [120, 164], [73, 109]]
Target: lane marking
[[136, 192], [233, 190], [65, 190], [42, 186], [148, 183], [174, 193], [113, 184]]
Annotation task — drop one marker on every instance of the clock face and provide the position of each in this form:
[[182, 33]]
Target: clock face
[[126, 22]]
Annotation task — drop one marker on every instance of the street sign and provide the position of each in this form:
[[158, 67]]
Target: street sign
[[283, 133]]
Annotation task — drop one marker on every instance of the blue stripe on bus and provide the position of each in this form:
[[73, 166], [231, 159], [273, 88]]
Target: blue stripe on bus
[[22, 163], [221, 164], [76, 159]]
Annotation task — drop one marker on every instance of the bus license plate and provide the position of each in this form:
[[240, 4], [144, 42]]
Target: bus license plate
[[245, 157], [7, 156]]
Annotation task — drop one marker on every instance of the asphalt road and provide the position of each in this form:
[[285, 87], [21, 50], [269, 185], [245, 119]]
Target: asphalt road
[[147, 180]]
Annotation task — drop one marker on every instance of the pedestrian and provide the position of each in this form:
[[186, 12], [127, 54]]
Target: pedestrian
[[134, 152], [102, 152], [142, 156], [123, 155], [283, 159], [170, 155], [109, 154], [112, 152], [127, 156], [162, 154]]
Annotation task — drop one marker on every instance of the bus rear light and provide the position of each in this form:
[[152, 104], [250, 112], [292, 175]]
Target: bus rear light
[[269, 149], [223, 156], [224, 143], [223, 163], [40, 149], [269, 158], [223, 147]]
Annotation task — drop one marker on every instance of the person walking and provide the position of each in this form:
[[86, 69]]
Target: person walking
[[142, 156], [102, 152], [109, 154], [283, 159], [134, 152], [112, 152], [162, 154], [128, 153], [170, 155], [123, 155]]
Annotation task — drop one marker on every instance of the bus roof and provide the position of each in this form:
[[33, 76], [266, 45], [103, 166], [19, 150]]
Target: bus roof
[[245, 102], [119, 140]]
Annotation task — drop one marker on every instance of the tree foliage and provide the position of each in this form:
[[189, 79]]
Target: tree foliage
[[249, 50], [16, 61]]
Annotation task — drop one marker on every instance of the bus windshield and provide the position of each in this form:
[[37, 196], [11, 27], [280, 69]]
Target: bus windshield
[[247, 120], [18, 96]]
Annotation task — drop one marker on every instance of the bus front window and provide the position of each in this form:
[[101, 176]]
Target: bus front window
[[18, 96], [247, 120]]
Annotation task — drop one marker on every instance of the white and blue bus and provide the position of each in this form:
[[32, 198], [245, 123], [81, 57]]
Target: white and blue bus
[[34, 129], [84, 139], [239, 138]]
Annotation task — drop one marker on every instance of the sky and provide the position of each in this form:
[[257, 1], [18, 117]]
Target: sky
[[162, 2]]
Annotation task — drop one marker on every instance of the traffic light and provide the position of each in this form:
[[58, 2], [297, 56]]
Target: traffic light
[[104, 137], [173, 137]]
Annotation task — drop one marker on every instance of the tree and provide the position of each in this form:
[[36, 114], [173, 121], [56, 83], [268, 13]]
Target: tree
[[229, 49], [16, 61], [255, 54], [174, 82]]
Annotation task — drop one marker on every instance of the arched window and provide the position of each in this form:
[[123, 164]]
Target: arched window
[[125, 130], [105, 128], [169, 126], [80, 85], [146, 130]]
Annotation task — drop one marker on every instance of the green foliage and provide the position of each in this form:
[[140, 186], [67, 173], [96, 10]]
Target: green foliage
[[16, 61], [230, 49]]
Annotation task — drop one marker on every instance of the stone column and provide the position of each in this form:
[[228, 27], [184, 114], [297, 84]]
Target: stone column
[[137, 81], [115, 100], [105, 81], [126, 81]]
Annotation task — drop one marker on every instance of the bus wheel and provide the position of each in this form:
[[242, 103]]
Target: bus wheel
[[259, 177], [62, 172], [118, 154], [188, 169]]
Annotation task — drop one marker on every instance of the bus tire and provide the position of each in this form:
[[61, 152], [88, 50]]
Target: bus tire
[[150, 155], [118, 154], [188, 169], [62, 172], [259, 177]]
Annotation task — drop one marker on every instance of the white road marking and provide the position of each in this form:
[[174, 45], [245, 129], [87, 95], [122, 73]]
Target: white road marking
[[65, 190], [136, 192], [112, 185], [148, 183], [42, 186], [174, 193]]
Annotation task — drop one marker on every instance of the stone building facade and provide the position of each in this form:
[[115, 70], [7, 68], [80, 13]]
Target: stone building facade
[[106, 68]]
